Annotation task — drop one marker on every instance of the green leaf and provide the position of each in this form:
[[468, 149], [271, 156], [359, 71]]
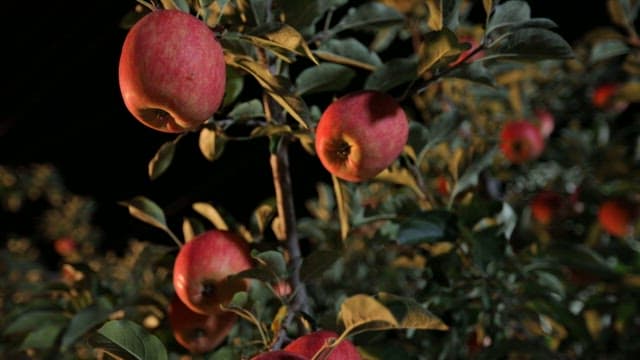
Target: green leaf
[[532, 44], [507, 14], [488, 246], [349, 51], [470, 176], [273, 260], [551, 282], [211, 145], [392, 74], [259, 11], [247, 110], [127, 340], [303, 14], [162, 159], [606, 49], [233, 86], [316, 263], [279, 88], [280, 36], [474, 71], [212, 214], [427, 227], [370, 16], [31, 320], [175, 4], [441, 129], [44, 337], [85, 320], [270, 130], [323, 77], [147, 211], [439, 47], [443, 13]]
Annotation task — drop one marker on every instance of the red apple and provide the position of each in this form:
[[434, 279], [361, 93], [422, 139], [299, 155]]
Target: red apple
[[198, 333], [65, 246], [546, 122], [361, 134], [172, 71], [308, 345], [545, 206], [521, 141], [443, 186], [616, 217], [202, 269], [279, 355]]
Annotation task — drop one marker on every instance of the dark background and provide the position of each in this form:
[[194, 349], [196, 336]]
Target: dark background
[[61, 105]]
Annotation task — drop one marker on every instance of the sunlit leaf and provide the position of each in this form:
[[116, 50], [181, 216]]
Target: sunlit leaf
[[271, 130], [488, 7], [191, 228], [147, 211], [369, 16], [439, 47], [343, 207], [211, 145], [279, 35], [410, 314], [443, 13], [128, 340], [323, 77], [175, 4], [162, 159], [86, 320], [233, 86], [212, 214], [393, 73], [402, 176], [349, 51]]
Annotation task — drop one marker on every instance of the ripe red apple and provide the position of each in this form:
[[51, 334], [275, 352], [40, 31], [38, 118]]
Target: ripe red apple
[[521, 141], [279, 355], [546, 122], [198, 333], [545, 206], [360, 134], [202, 268], [65, 246], [172, 72], [308, 345], [616, 217]]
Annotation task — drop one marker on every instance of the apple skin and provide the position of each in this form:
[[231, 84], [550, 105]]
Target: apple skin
[[546, 122], [616, 217], [202, 267], [521, 141], [545, 206], [196, 332], [279, 355], [308, 345], [361, 134], [65, 246], [171, 72]]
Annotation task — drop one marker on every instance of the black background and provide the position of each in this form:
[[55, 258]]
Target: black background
[[61, 105]]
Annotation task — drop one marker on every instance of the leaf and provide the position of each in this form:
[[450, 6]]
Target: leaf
[[279, 88], [127, 340], [233, 87], [369, 16], [31, 320], [211, 145], [443, 13], [606, 49], [343, 209], [350, 52], [470, 176], [622, 13], [402, 176], [442, 129], [437, 48], [210, 213], [251, 109], [533, 44], [392, 74], [86, 320], [488, 246], [278, 35], [303, 14], [175, 4], [488, 7], [271, 130], [508, 13], [147, 211], [44, 337], [427, 227], [410, 314], [323, 77], [162, 159], [273, 260], [316, 263], [474, 71]]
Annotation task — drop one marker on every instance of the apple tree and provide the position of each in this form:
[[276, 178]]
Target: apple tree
[[482, 197]]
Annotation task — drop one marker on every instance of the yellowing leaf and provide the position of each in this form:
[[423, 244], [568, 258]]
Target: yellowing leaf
[[208, 211], [343, 213], [435, 14]]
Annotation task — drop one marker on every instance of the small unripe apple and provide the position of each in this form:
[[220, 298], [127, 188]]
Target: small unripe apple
[[546, 122], [198, 333], [616, 217], [172, 72], [203, 267], [279, 355], [545, 206], [521, 141], [361, 134], [308, 345]]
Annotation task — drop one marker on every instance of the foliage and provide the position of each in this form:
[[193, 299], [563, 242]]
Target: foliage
[[437, 257]]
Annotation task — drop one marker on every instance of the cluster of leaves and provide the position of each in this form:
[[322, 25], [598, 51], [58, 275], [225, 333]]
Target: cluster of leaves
[[446, 230]]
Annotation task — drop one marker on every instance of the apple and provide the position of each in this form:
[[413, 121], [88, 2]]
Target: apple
[[310, 344], [361, 134], [521, 141], [203, 266], [545, 206], [616, 217], [443, 186], [279, 355], [171, 72], [197, 332], [546, 122], [65, 246]]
